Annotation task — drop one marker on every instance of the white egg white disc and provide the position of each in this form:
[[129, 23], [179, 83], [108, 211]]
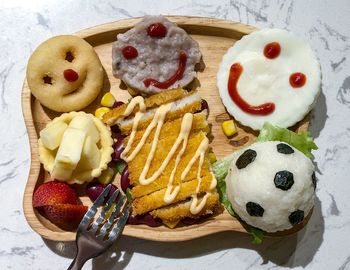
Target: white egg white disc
[[266, 80]]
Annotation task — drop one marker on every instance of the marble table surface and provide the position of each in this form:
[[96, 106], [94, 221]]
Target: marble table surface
[[324, 244]]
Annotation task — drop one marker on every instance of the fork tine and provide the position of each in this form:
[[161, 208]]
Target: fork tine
[[89, 215], [101, 218], [115, 212], [119, 226]]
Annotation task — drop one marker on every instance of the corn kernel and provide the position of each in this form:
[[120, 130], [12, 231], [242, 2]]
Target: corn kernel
[[108, 100], [229, 128], [106, 176], [212, 157], [101, 111]]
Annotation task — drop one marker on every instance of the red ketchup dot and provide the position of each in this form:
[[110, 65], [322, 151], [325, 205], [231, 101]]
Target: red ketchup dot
[[129, 52], [263, 109], [272, 50], [70, 75], [297, 79], [156, 30], [177, 76]]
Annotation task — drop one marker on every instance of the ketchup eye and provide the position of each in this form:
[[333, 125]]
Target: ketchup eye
[[272, 50], [156, 30], [129, 52], [297, 79]]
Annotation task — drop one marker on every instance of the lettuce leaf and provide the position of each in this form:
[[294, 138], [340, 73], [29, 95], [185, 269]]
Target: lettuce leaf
[[258, 235], [220, 170], [128, 195], [120, 165], [303, 141], [221, 187]]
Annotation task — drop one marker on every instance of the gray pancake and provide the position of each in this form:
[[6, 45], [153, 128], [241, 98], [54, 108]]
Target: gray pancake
[[158, 58]]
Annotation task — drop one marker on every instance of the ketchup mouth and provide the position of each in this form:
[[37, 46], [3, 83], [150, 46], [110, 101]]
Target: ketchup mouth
[[177, 75], [263, 109]]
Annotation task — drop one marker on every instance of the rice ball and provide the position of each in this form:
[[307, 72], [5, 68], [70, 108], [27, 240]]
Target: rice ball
[[271, 185]]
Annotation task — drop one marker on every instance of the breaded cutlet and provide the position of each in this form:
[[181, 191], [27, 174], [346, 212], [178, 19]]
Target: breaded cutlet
[[136, 165], [189, 103], [155, 200], [172, 214], [151, 196], [154, 101]]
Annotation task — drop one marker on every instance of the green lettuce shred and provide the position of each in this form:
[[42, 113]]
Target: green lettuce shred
[[303, 141], [120, 165], [220, 170], [128, 195], [258, 235]]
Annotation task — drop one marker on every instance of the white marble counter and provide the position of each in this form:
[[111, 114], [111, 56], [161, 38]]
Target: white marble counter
[[324, 244]]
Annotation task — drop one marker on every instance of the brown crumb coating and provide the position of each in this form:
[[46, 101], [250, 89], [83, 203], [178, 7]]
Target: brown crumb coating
[[172, 214], [156, 199], [111, 117]]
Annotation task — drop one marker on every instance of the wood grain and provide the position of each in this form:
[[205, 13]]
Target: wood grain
[[214, 37]]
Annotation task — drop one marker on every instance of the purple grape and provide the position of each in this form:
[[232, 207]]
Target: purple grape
[[134, 220], [151, 221], [204, 105], [124, 179], [93, 190], [146, 219], [115, 129], [189, 221], [118, 147], [118, 104]]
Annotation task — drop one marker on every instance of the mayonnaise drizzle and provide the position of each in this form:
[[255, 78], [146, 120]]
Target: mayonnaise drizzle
[[129, 109], [159, 119], [132, 104], [195, 207], [186, 126], [185, 131]]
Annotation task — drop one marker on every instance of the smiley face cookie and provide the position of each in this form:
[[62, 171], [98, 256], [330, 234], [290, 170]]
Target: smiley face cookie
[[64, 73], [269, 76]]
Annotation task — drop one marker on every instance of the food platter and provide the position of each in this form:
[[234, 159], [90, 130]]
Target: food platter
[[214, 38]]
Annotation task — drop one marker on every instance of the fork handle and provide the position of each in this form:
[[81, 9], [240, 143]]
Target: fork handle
[[78, 262]]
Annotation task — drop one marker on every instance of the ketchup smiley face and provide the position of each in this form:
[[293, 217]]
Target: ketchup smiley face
[[235, 73]]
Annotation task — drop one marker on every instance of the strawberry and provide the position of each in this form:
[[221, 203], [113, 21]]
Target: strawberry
[[54, 192], [66, 216]]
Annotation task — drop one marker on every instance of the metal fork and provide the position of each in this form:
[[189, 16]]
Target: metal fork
[[95, 237]]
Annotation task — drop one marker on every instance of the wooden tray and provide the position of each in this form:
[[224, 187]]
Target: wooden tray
[[214, 37]]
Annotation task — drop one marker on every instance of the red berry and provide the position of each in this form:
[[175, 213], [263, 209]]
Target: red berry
[[67, 216], [70, 75], [54, 192], [156, 30]]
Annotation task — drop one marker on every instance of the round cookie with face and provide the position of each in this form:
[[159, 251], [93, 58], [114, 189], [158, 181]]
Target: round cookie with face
[[64, 73], [155, 55], [269, 76]]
